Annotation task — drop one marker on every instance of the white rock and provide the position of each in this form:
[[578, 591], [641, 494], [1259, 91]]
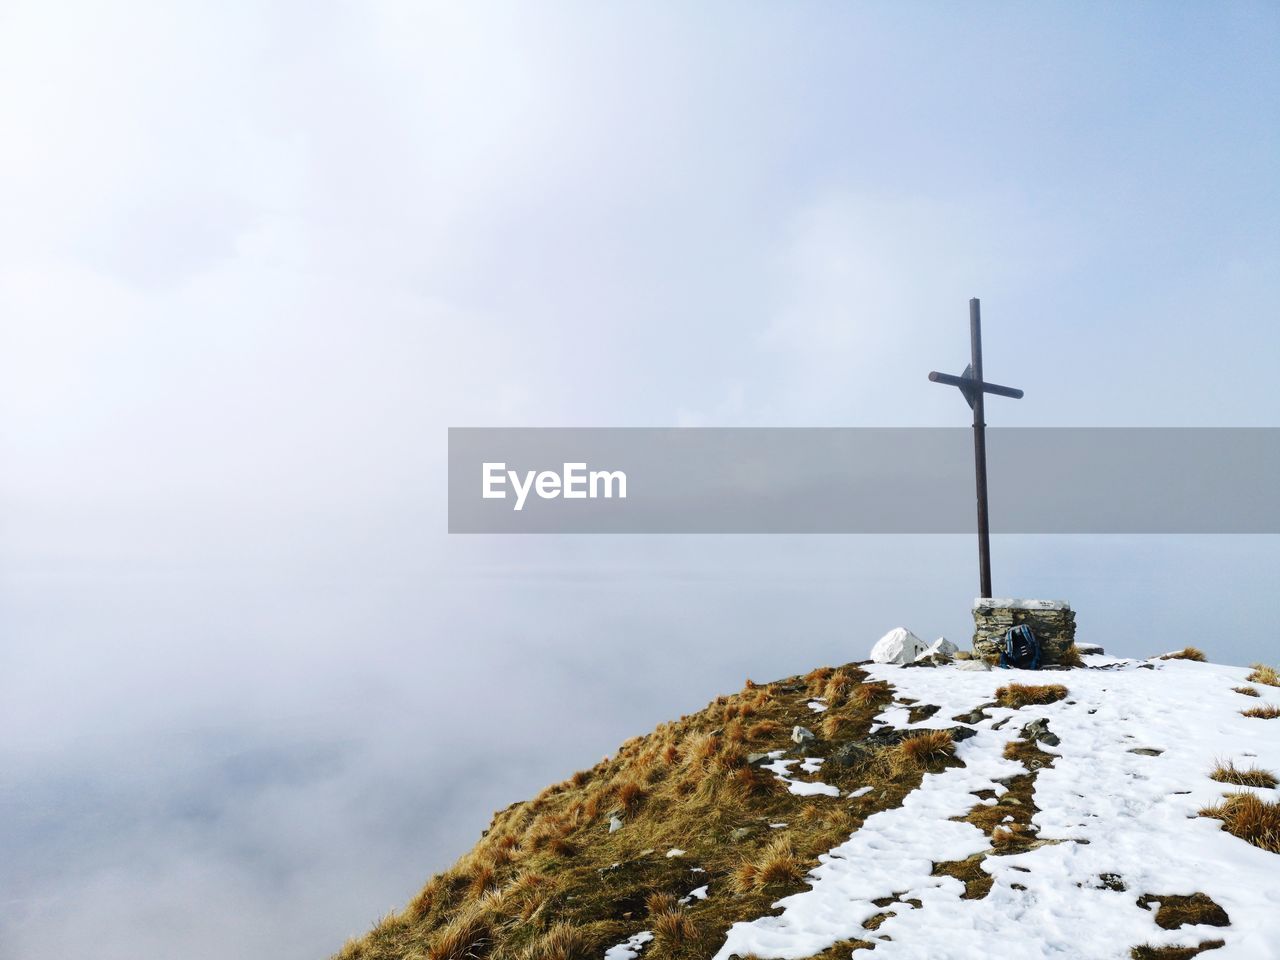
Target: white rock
[[801, 734], [941, 646], [899, 645], [974, 664]]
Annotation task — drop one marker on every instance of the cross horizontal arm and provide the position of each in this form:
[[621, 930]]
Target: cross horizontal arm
[[968, 383]]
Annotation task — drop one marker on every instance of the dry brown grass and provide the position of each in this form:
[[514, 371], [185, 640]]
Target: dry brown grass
[[923, 751], [1174, 911], [1247, 691], [1253, 777], [977, 882], [630, 794], [1148, 952], [1015, 695], [1070, 657], [1010, 837], [1265, 675], [460, 938], [776, 863], [1269, 712], [1186, 653], [764, 730], [672, 928], [549, 881], [1250, 818], [562, 941]]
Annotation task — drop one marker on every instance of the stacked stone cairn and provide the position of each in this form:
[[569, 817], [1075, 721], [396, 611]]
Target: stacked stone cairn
[[1052, 621]]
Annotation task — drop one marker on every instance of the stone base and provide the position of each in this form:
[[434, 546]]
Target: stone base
[[1052, 621]]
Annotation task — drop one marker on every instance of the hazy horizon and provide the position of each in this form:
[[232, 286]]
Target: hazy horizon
[[258, 259]]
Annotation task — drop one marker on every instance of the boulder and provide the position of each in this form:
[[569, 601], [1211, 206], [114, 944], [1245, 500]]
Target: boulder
[[1038, 730], [942, 647], [851, 754], [972, 665], [899, 645], [802, 735]]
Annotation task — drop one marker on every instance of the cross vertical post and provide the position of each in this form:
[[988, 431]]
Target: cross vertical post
[[974, 389], [980, 448]]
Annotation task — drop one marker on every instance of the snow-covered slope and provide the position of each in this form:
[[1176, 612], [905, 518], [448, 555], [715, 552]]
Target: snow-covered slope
[[1118, 824]]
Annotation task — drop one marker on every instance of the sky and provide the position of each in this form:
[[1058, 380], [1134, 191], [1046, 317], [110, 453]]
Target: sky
[[256, 258]]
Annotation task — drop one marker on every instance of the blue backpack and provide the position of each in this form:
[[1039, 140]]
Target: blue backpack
[[1021, 649]]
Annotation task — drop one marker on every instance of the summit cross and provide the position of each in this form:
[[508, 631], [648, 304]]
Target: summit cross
[[974, 388]]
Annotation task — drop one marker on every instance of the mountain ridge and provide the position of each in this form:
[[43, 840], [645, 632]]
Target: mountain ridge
[[921, 811]]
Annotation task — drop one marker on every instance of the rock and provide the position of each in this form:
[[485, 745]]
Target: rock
[[850, 754], [884, 737], [1039, 730], [963, 655], [802, 735], [941, 647], [615, 824], [976, 715], [962, 733], [742, 833], [755, 758], [972, 665], [899, 645], [1092, 648], [1146, 751]]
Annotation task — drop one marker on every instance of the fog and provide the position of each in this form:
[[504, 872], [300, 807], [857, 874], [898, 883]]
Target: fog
[[256, 259]]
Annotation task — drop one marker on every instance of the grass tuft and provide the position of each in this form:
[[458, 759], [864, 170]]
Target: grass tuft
[[776, 863], [562, 941], [924, 749], [1186, 653], [1250, 818], [462, 937], [1247, 691], [1071, 657], [1148, 952], [1174, 911], [1253, 777], [1264, 674], [1015, 695], [1269, 712]]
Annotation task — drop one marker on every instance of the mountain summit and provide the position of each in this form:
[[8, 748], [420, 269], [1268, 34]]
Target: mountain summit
[[940, 810]]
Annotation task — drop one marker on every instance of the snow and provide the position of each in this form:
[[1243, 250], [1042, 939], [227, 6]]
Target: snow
[[816, 705], [698, 893], [675, 852], [630, 948], [1116, 812], [801, 788], [811, 764]]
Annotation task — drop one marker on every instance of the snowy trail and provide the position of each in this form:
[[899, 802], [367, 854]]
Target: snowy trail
[[1120, 812]]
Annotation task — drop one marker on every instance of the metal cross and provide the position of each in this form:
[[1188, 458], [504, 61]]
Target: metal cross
[[974, 387]]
